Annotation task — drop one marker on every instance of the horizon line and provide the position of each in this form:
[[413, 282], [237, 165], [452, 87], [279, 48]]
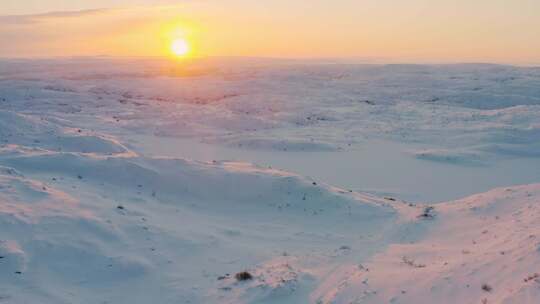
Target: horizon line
[[320, 60]]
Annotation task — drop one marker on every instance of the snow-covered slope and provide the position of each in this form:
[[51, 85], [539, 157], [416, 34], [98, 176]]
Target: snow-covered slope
[[107, 225], [127, 181], [90, 229], [481, 249]]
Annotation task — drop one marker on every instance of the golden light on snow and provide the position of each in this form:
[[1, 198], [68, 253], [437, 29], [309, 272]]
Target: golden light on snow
[[180, 47]]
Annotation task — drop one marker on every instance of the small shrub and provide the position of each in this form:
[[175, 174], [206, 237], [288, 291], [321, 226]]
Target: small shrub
[[412, 263], [486, 288], [429, 212], [220, 278], [243, 276], [535, 277]]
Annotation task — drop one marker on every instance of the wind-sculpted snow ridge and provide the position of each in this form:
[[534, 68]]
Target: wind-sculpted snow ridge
[[90, 229], [32, 131], [481, 249], [93, 227]]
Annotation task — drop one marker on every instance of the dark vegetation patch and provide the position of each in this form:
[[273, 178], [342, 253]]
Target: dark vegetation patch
[[243, 276], [486, 288]]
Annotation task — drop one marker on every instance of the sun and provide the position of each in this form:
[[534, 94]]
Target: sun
[[180, 47]]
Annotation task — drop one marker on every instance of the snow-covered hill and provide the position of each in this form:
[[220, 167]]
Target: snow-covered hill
[[129, 181]]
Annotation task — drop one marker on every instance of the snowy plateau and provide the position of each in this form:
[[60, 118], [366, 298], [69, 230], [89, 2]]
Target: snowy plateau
[[236, 180]]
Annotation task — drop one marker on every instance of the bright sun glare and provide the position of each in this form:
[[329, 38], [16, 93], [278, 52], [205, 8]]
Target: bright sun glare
[[180, 47]]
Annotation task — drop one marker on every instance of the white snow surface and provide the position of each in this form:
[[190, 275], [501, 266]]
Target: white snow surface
[[147, 181]]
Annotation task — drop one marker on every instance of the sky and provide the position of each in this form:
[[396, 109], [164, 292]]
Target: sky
[[500, 31]]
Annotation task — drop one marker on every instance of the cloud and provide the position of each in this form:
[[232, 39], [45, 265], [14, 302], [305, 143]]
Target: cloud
[[29, 19]]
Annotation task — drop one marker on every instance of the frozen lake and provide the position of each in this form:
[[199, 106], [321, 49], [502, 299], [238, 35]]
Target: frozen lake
[[379, 167]]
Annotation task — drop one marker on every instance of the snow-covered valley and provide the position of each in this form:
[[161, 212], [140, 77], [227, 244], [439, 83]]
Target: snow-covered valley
[[138, 181]]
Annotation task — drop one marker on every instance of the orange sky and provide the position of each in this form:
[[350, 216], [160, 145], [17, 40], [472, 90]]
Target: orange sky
[[413, 30]]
